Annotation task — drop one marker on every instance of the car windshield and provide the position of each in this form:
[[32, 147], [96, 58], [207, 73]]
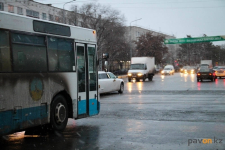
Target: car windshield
[[167, 69], [137, 67], [204, 65], [221, 68], [204, 70]]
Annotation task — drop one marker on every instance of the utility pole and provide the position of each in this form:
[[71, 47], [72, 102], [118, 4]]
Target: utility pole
[[189, 50], [130, 37], [64, 19]]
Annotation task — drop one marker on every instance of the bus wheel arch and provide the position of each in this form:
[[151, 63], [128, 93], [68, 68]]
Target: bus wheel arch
[[69, 102], [60, 111]]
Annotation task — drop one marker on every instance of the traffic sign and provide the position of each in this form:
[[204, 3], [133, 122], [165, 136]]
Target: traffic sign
[[194, 40]]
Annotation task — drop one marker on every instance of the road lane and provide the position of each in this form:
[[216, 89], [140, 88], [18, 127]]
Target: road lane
[[178, 81], [163, 114]]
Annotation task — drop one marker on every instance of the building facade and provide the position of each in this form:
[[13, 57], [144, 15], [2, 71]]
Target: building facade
[[38, 10], [31, 8], [134, 32]]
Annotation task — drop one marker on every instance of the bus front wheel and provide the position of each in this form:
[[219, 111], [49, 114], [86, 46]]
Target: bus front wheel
[[59, 113]]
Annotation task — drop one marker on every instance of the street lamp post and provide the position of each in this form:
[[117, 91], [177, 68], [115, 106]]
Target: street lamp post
[[64, 20], [130, 37]]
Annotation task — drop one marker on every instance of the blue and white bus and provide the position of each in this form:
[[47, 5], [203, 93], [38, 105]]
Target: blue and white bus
[[48, 73]]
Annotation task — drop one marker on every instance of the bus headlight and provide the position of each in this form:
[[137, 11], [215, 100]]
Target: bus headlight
[[129, 74]]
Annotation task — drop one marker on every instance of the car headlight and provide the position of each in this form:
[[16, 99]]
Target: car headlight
[[162, 72], [129, 74], [140, 74], [181, 69]]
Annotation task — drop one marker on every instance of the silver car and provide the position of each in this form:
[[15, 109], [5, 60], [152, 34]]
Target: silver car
[[169, 71]]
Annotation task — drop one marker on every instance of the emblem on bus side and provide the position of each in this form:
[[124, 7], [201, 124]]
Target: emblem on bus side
[[36, 89]]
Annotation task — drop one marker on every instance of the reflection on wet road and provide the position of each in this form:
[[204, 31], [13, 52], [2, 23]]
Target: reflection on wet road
[[147, 116], [176, 82], [76, 136]]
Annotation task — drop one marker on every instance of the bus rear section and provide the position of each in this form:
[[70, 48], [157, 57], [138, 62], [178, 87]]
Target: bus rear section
[[45, 79]]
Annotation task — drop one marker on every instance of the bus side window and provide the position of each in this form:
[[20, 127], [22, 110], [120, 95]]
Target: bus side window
[[60, 54], [29, 53], [5, 62]]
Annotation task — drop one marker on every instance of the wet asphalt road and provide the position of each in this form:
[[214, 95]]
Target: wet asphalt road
[[170, 112]]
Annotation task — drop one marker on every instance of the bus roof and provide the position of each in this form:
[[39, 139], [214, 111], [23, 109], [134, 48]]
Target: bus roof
[[23, 23]]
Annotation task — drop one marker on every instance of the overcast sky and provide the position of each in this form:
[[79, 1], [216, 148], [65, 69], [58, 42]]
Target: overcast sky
[[173, 17]]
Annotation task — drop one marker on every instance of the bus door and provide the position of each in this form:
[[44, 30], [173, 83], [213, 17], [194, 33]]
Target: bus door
[[87, 80], [92, 79], [81, 80]]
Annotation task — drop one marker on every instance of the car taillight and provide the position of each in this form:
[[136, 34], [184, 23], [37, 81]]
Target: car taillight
[[199, 74], [210, 74]]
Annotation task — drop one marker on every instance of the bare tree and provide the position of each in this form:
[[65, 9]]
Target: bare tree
[[152, 46], [193, 53], [73, 16], [109, 26]]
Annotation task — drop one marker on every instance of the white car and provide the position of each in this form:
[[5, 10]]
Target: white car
[[108, 82], [168, 71]]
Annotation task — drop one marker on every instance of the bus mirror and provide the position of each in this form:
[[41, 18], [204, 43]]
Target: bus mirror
[[106, 66], [105, 55]]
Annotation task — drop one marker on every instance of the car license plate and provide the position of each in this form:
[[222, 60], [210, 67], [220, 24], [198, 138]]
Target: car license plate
[[204, 74]]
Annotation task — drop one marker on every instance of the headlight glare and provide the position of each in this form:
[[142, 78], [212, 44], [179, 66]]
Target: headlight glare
[[140, 74]]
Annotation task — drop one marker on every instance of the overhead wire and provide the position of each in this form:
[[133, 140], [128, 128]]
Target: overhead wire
[[160, 2], [170, 7]]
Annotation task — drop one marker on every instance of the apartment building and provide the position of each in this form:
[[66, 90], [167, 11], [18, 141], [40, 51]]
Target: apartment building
[[34, 9], [134, 32]]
